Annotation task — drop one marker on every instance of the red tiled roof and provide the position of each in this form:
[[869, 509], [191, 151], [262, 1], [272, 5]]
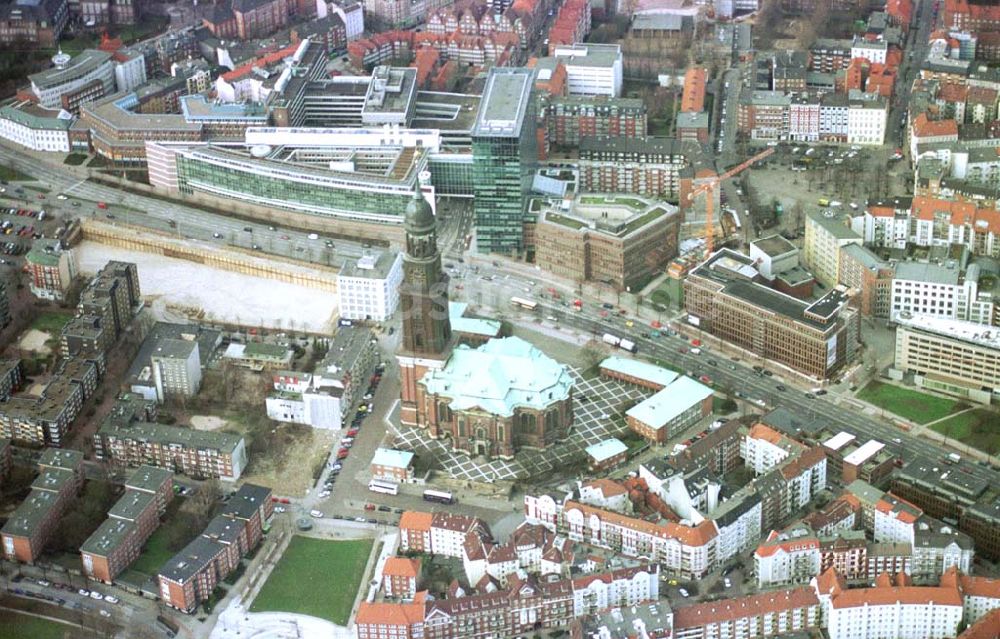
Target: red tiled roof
[[262, 62], [741, 607], [924, 128], [693, 536], [952, 92], [772, 545], [401, 567], [608, 487], [765, 432], [416, 520], [830, 582], [803, 462], [988, 627], [693, 97], [980, 587], [903, 595], [391, 614]]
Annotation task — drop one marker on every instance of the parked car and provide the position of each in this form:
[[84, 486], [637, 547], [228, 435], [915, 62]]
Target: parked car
[[317, 514]]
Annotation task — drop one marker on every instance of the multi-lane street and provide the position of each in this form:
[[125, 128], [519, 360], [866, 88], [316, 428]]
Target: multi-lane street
[[834, 409], [171, 217]]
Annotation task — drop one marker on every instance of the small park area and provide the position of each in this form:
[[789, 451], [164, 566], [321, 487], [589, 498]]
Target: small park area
[[978, 428], [316, 577], [913, 405]]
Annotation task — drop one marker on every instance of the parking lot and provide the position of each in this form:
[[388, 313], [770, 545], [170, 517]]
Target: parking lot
[[18, 227], [599, 402]]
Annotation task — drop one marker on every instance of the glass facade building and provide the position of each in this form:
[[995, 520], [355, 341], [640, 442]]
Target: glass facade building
[[452, 174], [504, 152], [351, 195]]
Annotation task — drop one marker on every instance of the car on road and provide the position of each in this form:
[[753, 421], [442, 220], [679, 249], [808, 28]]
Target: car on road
[[316, 514], [727, 582], [329, 244], [684, 593], [285, 237], [343, 453], [62, 196], [43, 583], [810, 396], [781, 387], [767, 373], [110, 599], [369, 506], [96, 595], [313, 236], [821, 392], [336, 466], [102, 205], [255, 247], [324, 494], [217, 235], [385, 509], [352, 432], [104, 613], [372, 521], [279, 509], [607, 306], [360, 520]]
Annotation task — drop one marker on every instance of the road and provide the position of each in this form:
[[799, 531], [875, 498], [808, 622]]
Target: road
[[189, 222], [915, 53], [836, 411]]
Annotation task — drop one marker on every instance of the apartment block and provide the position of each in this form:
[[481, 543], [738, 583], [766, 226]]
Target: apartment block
[[392, 465], [640, 165], [31, 526], [176, 365], [51, 267], [826, 233], [125, 438], [191, 575], [120, 538], [400, 577], [570, 119], [768, 614]]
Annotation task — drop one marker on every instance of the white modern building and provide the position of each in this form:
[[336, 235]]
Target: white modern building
[[866, 121], [592, 69], [302, 398], [368, 289], [35, 127], [940, 290], [954, 357], [130, 70]]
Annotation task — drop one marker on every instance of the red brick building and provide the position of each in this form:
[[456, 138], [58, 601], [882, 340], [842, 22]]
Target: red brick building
[[120, 538], [192, 574], [31, 526], [971, 15], [249, 19], [570, 118]]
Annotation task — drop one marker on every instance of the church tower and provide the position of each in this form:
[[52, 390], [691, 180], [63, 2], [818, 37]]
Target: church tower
[[423, 295]]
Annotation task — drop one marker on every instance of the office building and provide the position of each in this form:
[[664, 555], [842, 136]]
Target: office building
[[608, 239], [591, 69], [74, 81], [35, 127], [943, 290], [949, 356], [368, 288], [724, 297], [51, 267], [503, 152]]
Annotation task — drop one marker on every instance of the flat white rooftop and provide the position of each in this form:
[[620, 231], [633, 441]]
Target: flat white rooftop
[[839, 440], [867, 450], [971, 332]]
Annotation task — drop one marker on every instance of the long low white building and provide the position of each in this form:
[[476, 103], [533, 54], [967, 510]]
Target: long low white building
[[949, 356], [35, 127]]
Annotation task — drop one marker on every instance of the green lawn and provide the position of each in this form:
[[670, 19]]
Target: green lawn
[[316, 577], [8, 174], [75, 159], [51, 322], [156, 552], [913, 405], [15, 626], [979, 428]]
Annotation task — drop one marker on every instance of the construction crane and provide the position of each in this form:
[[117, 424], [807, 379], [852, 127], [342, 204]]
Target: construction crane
[[709, 188]]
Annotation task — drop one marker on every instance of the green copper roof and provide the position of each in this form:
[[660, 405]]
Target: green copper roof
[[500, 376]]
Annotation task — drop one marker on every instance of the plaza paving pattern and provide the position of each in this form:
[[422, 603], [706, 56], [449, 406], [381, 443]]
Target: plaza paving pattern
[[595, 418]]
